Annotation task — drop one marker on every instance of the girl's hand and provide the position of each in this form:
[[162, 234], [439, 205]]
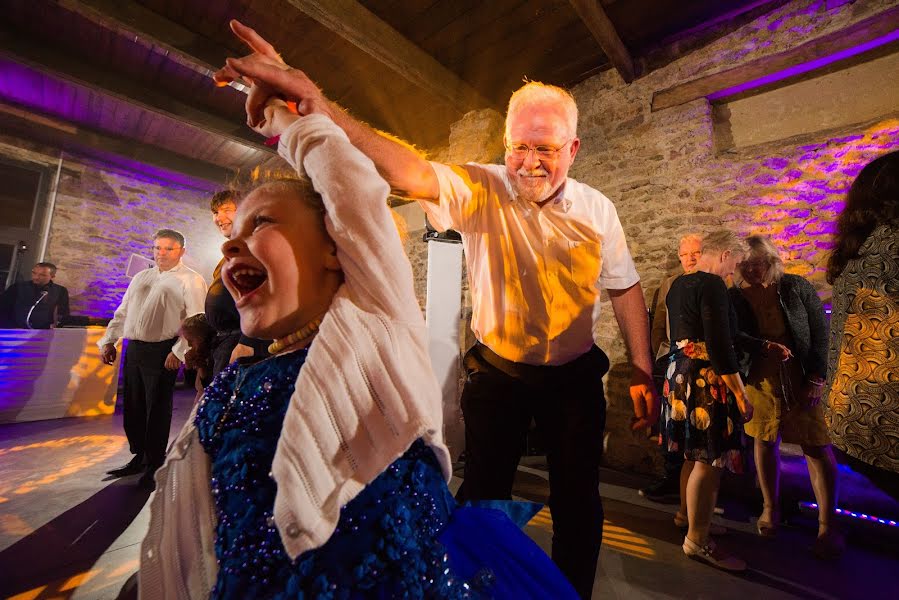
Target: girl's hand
[[277, 116]]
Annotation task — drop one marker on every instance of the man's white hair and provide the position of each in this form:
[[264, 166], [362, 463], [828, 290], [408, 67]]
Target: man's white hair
[[691, 237], [536, 93]]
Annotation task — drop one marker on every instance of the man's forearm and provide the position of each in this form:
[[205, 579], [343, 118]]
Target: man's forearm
[[408, 174], [630, 312]]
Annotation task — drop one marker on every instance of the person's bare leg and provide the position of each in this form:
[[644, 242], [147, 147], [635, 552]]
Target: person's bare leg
[[822, 470], [767, 462], [702, 489], [684, 478]]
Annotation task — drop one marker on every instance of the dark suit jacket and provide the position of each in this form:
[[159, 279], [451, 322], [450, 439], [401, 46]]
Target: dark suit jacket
[[17, 300]]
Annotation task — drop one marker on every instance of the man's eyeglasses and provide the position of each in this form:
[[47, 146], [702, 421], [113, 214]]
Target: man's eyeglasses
[[165, 248], [543, 151], [696, 254]]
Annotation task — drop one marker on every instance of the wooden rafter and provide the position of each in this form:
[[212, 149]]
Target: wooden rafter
[[42, 58], [603, 30], [145, 27], [50, 130], [866, 30], [362, 28]]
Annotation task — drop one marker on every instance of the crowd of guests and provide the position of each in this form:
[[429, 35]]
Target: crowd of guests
[[314, 462]]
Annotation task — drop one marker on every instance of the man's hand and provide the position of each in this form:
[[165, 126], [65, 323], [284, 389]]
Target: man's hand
[[270, 77], [108, 354], [240, 350], [172, 362], [646, 403]]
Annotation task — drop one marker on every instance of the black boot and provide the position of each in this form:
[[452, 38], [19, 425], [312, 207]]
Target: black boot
[[135, 466], [665, 490], [148, 480]]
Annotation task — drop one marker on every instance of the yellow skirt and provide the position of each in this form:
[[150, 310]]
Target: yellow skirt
[[800, 425]]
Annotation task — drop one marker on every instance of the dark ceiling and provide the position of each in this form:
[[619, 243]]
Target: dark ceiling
[[132, 78]]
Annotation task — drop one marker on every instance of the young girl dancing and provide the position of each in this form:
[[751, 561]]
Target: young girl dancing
[[320, 472]]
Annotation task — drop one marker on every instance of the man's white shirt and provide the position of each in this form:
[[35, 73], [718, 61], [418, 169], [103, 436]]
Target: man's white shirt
[[155, 304]]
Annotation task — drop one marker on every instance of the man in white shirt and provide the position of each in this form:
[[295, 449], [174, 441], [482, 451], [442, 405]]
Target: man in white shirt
[[539, 246], [149, 317]]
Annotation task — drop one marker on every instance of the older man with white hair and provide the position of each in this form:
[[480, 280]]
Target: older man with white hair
[[539, 247]]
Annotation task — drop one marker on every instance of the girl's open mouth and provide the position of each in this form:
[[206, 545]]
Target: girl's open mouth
[[246, 280]]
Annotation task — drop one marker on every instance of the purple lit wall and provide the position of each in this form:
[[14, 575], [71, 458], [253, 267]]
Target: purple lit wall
[[104, 213], [795, 196]]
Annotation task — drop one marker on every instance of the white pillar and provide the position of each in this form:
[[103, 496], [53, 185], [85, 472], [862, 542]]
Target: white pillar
[[443, 312]]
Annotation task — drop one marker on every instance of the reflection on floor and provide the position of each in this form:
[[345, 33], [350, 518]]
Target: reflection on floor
[[68, 531]]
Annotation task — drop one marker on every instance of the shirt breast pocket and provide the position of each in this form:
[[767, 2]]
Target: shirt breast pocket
[[585, 263]]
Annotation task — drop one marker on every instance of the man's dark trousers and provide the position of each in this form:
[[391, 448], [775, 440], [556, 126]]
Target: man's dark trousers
[[149, 388], [568, 405]]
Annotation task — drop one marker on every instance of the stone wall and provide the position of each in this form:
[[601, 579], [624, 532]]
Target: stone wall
[[103, 214], [666, 178]]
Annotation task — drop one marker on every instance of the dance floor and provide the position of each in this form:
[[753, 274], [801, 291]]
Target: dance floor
[[68, 531]]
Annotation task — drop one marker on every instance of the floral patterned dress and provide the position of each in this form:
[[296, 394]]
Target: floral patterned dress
[[699, 413]]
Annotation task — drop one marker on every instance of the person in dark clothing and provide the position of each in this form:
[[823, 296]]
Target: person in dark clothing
[[229, 343], [35, 304], [705, 403], [667, 489]]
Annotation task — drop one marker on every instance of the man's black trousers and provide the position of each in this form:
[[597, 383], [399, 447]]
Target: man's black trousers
[[149, 387], [568, 406]]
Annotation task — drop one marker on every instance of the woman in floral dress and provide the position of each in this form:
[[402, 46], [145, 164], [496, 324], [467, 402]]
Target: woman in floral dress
[[705, 403]]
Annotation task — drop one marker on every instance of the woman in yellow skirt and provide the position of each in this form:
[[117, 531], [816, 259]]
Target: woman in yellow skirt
[[786, 394]]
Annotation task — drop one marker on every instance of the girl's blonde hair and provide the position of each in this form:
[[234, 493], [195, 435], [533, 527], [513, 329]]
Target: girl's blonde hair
[[301, 187]]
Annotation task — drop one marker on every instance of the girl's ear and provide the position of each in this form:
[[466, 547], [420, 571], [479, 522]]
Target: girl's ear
[[331, 262]]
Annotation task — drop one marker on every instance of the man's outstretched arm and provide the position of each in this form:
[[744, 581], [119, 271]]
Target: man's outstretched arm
[[408, 174]]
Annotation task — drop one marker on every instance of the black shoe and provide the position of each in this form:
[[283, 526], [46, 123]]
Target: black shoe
[[135, 466], [666, 490], [148, 479]]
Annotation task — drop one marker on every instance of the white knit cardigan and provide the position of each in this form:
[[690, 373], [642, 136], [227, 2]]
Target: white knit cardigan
[[364, 394]]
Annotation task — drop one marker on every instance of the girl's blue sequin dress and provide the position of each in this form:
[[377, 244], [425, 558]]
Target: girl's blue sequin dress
[[403, 536]]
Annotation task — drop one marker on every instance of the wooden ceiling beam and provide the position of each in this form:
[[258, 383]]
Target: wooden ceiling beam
[[603, 30], [362, 28], [866, 30], [679, 44], [47, 129], [153, 31], [70, 68]]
